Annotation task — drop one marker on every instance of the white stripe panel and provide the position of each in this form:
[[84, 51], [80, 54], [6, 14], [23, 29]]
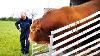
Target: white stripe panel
[[75, 29], [82, 47], [73, 37], [73, 24], [88, 50], [79, 41], [92, 54]]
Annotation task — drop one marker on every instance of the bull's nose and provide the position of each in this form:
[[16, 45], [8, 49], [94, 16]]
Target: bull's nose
[[31, 30], [29, 39]]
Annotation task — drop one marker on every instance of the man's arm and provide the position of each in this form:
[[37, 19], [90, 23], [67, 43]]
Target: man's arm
[[30, 22], [17, 24]]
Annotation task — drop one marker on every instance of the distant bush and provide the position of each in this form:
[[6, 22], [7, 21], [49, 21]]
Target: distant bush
[[8, 19]]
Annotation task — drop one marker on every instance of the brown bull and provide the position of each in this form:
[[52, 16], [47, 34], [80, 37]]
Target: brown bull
[[57, 18]]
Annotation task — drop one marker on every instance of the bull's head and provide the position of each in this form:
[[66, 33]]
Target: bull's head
[[37, 33]]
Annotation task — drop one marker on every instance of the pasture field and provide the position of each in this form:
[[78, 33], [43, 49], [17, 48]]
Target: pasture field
[[9, 39], [10, 43]]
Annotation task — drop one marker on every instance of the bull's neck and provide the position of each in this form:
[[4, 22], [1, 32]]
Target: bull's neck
[[84, 10]]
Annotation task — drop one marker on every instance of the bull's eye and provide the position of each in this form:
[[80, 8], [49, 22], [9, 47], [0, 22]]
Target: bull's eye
[[38, 30], [32, 30]]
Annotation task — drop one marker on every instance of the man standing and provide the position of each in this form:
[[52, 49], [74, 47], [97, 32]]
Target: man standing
[[23, 25]]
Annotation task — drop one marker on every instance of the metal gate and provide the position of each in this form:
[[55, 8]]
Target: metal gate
[[94, 31]]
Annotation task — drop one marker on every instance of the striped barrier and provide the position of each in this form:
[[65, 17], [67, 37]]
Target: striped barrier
[[53, 39]]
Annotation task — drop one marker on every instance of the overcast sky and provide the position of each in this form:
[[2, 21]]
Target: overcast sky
[[14, 7]]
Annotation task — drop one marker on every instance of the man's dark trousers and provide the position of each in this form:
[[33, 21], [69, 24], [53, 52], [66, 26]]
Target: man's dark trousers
[[24, 43]]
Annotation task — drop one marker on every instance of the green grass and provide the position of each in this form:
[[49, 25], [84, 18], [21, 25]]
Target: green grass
[[9, 39]]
